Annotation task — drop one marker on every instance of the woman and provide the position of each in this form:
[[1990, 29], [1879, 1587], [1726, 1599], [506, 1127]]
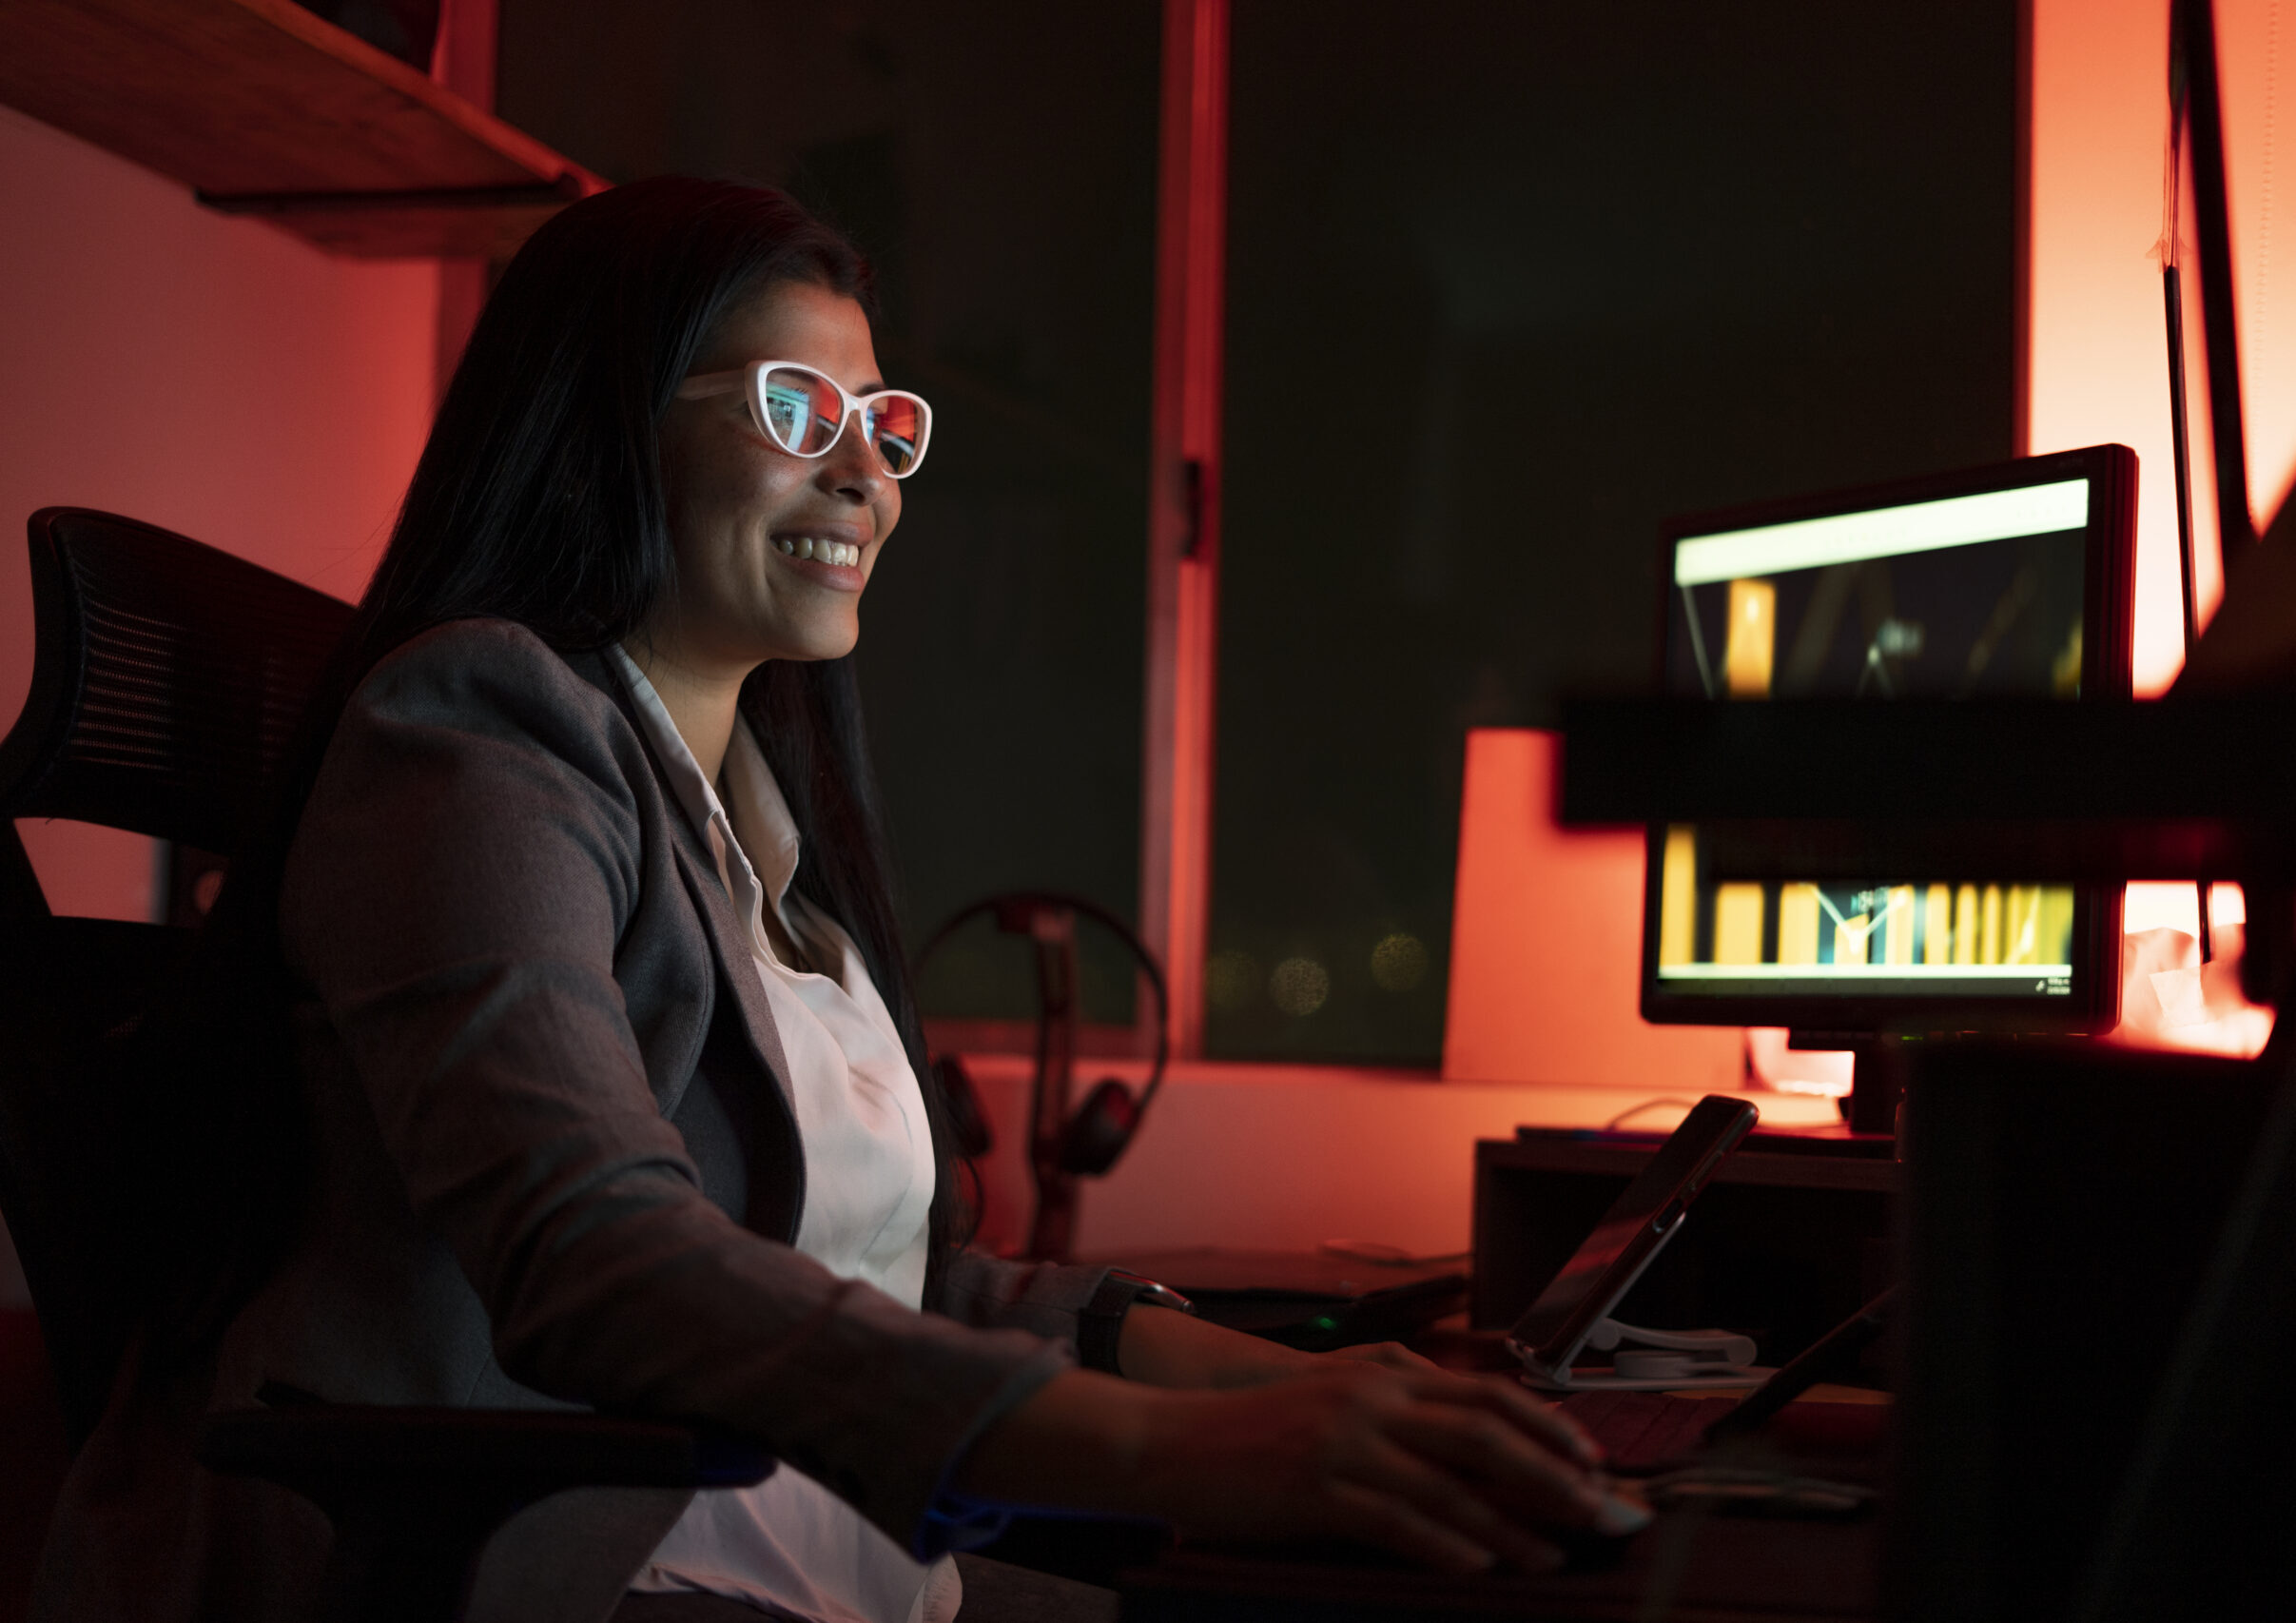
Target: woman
[[609, 1064]]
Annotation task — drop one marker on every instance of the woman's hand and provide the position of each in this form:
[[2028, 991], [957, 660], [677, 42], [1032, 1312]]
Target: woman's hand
[[1168, 1348], [1444, 1469], [1387, 1355], [1165, 1348]]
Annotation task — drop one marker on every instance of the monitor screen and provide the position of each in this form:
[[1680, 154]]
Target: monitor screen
[[2010, 580]]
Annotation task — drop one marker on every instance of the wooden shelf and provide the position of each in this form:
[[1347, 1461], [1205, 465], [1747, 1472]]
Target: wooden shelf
[[263, 108]]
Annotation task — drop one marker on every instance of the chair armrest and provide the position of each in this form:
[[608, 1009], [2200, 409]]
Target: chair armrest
[[535, 1452], [1089, 1549], [415, 1494]]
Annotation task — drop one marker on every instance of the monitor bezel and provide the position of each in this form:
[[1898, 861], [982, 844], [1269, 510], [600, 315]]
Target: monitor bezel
[[2107, 588]]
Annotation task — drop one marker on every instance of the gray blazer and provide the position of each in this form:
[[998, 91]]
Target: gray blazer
[[556, 1166]]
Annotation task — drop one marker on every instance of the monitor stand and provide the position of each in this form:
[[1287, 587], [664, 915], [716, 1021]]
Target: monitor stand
[[1877, 1078]]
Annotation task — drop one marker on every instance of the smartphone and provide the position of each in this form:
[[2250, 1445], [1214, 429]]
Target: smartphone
[[1633, 1231]]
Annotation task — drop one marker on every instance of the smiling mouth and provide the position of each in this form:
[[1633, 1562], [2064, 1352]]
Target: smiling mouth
[[827, 552]]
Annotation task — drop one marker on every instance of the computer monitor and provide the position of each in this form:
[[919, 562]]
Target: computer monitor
[[2007, 580], [2250, 643]]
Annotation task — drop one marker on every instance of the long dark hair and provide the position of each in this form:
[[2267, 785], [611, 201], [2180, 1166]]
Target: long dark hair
[[538, 498]]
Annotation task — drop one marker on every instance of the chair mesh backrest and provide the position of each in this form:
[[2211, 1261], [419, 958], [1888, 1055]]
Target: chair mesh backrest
[[167, 680]]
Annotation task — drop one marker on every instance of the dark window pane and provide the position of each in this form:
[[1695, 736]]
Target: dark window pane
[[999, 165], [1507, 285]]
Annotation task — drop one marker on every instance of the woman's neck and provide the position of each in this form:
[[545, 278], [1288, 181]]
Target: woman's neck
[[702, 704]]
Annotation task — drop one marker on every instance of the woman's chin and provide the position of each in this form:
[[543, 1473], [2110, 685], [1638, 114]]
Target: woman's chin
[[811, 643]]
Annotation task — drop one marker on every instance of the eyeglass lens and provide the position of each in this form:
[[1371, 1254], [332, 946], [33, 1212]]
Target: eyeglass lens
[[804, 413]]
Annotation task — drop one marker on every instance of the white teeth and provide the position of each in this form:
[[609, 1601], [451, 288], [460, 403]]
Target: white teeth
[[829, 552]]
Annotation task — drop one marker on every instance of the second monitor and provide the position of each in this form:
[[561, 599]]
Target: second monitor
[[2006, 581]]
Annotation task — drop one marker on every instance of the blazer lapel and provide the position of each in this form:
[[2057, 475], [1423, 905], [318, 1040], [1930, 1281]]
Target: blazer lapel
[[736, 968], [777, 1192], [729, 938]]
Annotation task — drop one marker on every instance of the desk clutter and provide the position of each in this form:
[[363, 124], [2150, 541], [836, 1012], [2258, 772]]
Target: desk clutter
[[1784, 1242], [2070, 1409], [1766, 1499]]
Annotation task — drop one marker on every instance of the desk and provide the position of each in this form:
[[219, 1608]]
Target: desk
[[1689, 1567], [2062, 1197]]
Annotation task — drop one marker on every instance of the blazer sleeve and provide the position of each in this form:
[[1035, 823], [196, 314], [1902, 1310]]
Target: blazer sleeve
[[459, 885], [1046, 1298]]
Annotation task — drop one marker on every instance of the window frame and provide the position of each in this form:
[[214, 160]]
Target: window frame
[[1184, 510]]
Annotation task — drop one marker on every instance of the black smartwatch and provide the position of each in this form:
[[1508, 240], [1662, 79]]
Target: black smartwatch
[[1101, 1322]]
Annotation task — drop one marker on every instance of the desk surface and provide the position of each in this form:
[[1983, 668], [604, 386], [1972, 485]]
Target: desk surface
[[1563, 1150], [1691, 1566]]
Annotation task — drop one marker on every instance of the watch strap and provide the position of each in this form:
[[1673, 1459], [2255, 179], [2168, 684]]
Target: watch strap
[[1101, 1323]]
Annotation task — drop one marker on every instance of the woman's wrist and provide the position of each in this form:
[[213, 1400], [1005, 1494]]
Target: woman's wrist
[[1163, 1348], [1078, 1441]]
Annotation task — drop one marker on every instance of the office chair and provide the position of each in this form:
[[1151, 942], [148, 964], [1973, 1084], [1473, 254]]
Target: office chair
[[168, 682]]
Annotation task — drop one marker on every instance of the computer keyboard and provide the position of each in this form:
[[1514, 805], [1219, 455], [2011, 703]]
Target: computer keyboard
[[1644, 1432]]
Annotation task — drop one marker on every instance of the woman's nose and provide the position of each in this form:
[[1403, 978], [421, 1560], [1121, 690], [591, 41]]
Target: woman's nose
[[851, 468]]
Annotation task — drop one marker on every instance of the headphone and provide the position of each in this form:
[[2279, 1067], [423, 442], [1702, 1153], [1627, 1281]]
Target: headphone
[[1088, 1141]]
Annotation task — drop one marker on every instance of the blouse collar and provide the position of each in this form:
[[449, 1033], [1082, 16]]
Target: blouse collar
[[759, 827]]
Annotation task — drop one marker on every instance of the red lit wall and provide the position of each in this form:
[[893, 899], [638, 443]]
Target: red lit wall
[[1286, 1157], [2097, 364], [1547, 931], [214, 376], [2098, 360]]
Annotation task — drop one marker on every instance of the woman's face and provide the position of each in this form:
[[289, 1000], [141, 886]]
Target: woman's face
[[735, 497]]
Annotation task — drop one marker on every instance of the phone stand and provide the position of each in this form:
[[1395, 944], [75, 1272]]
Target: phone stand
[[1654, 1361]]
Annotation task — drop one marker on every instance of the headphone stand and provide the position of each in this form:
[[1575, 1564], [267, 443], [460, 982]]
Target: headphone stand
[[1063, 1144], [1052, 1234]]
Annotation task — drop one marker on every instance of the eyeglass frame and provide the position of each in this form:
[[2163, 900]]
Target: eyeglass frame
[[744, 379]]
